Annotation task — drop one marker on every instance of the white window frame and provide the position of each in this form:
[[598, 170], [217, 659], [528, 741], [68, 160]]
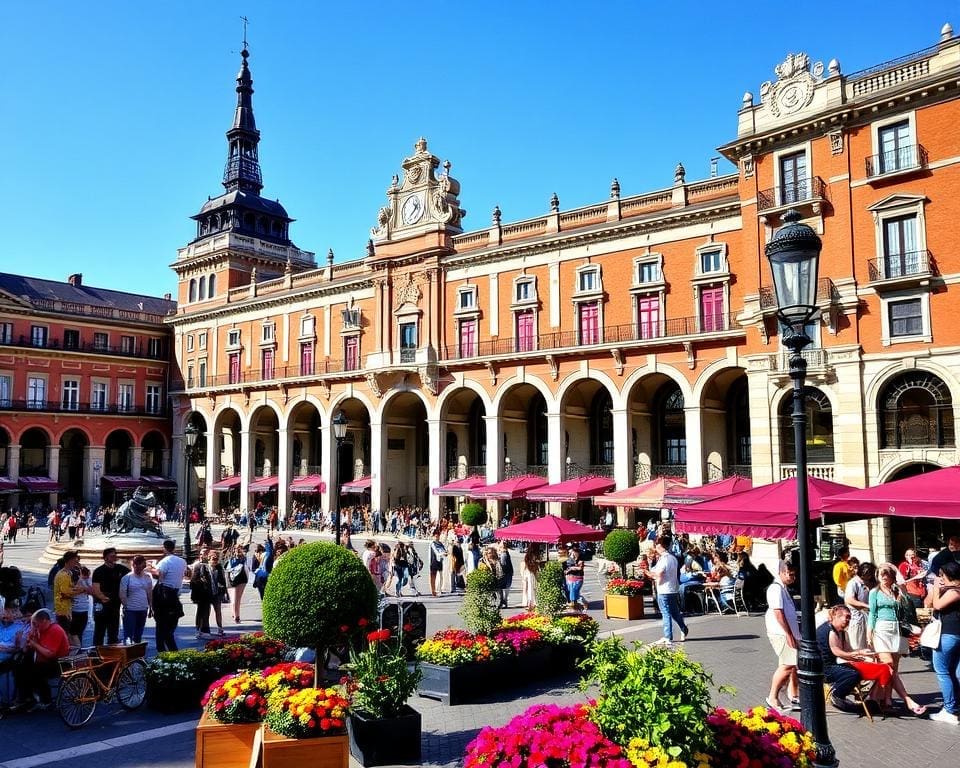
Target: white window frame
[[189, 342], [468, 293], [875, 128], [582, 272], [353, 326], [202, 372], [531, 299], [32, 403], [191, 381], [714, 276], [308, 327], [6, 333], [807, 148], [896, 207], [202, 340], [154, 346], [650, 259], [233, 338], [72, 385], [124, 338], [926, 335], [6, 389], [154, 392], [105, 404], [97, 346], [44, 332], [268, 333], [126, 387]]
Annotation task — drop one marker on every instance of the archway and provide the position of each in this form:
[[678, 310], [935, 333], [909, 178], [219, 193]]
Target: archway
[[916, 411], [34, 453], [226, 448], [195, 464], [658, 435], [911, 532], [586, 421], [306, 446], [73, 460], [725, 424], [265, 451], [465, 435], [524, 428], [406, 455], [819, 413], [115, 482], [4, 452], [151, 457]]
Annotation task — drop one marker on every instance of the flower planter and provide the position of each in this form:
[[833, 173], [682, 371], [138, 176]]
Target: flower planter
[[533, 665], [224, 745], [386, 741], [566, 656], [623, 607], [322, 752], [455, 685]]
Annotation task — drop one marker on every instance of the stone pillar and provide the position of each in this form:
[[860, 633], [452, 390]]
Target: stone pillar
[[622, 449], [556, 448], [53, 468], [327, 450], [165, 468], [378, 452], [94, 467], [284, 471], [435, 470], [136, 461], [694, 434], [178, 466], [246, 470], [212, 474], [13, 461]]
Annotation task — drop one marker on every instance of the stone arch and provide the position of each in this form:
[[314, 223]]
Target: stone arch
[[393, 394], [154, 433], [879, 382], [351, 394], [253, 408], [599, 376], [38, 428], [182, 418], [889, 471], [708, 376], [665, 370], [124, 430], [496, 405], [75, 428], [300, 400], [466, 383]]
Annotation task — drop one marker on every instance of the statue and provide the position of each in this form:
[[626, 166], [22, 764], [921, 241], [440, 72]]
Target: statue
[[133, 514]]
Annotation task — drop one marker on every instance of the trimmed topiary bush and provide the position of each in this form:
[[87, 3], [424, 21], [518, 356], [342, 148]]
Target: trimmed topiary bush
[[314, 592], [473, 514], [622, 547], [551, 596], [481, 604]]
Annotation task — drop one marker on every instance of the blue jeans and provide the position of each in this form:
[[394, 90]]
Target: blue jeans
[[573, 589], [133, 624], [946, 663], [670, 609]]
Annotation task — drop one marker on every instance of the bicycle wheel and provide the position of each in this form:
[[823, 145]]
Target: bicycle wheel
[[77, 699], [132, 684]]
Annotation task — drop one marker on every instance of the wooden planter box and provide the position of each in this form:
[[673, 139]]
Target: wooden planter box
[[390, 741], [224, 745], [322, 752], [623, 607]]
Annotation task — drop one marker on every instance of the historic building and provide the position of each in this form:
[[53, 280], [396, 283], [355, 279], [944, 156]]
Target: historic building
[[632, 338], [84, 377]]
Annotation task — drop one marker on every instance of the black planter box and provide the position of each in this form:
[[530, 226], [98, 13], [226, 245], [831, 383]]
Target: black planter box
[[455, 685], [390, 741], [566, 656]]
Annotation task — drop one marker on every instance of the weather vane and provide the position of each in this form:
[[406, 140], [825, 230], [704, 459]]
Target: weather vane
[[245, 22]]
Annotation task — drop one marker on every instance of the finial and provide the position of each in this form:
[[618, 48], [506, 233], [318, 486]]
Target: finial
[[554, 203], [371, 252], [747, 100], [833, 68], [679, 174], [447, 165], [614, 188], [496, 215], [245, 21], [421, 145], [946, 33], [330, 256]]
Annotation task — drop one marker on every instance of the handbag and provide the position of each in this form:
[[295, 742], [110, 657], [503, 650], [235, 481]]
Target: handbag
[[907, 629], [236, 574], [930, 636]]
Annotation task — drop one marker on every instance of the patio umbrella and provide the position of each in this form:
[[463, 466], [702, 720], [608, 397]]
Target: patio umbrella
[[715, 490], [575, 489], [649, 495], [769, 511], [514, 488], [932, 494], [550, 530]]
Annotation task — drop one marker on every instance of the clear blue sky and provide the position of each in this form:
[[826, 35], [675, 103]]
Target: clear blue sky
[[113, 113]]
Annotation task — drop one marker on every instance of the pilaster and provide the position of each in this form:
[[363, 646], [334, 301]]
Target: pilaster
[[694, 425]]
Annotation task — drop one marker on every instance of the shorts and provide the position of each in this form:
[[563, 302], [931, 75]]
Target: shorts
[[786, 656]]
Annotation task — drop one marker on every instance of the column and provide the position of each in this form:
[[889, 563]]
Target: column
[[494, 463], [178, 467], [435, 470], [327, 450], [378, 486], [53, 468], [284, 471], [622, 449], [13, 461], [211, 497], [246, 470], [136, 461], [555, 450], [693, 424], [165, 463]]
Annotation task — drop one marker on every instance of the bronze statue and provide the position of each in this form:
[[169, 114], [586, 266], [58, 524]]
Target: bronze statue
[[133, 514]]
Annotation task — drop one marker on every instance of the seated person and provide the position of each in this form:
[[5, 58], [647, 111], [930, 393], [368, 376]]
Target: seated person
[[691, 575], [12, 636], [46, 643]]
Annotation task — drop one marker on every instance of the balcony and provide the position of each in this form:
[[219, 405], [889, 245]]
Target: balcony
[[899, 269], [806, 193], [463, 471], [678, 328], [50, 406], [826, 294], [819, 471], [899, 161], [645, 472], [137, 350], [276, 373]]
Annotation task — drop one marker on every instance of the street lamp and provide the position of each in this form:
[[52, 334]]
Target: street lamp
[[794, 254], [339, 432], [190, 434]]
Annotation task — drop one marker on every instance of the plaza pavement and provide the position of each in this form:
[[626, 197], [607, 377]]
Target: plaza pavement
[[733, 649]]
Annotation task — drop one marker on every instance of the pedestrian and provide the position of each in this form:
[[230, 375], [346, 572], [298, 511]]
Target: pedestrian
[[80, 607], [456, 566], [237, 577], [529, 575], [665, 573], [400, 566], [914, 573], [946, 657], [136, 595], [842, 573], [783, 632], [506, 571], [65, 589], [106, 598], [46, 644], [167, 610], [438, 553]]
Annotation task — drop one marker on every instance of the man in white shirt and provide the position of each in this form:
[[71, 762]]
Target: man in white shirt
[[783, 632], [167, 610], [666, 575]]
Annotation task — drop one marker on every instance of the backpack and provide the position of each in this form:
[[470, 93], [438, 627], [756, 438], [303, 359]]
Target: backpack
[[414, 563], [200, 589], [35, 596]]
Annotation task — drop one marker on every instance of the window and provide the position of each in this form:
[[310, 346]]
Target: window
[[819, 417], [6, 384], [307, 326], [233, 366], [711, 309], [793, 178], [524, 290], [233, 338], [98, 396], [901, 255], [916, 410], [38, 335], [6, 333], [190, 342], [202, 293], [906, 318], [351, 319], [189, 375], [212, 287], [467, 299], [648, 317], [266, 332], [525, 337], [127, 344], [897, 148], [125, 398], [306, 358], [468, 338], [192, 293], [153, 398], [36, 392], [100, 341], [154, 348], [648, 272], [408, 342], [202, 373], [266, 363], [588, 322], [351, 353], [70, 395], [71, 339], [711, 261], [202, 340], [588, 280]]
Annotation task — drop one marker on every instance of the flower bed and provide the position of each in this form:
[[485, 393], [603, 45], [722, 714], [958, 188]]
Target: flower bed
[[453, 647], [626, 587], [253, 650]]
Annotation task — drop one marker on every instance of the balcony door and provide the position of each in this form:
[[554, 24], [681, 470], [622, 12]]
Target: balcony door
[[793, 178], [900, 255], [589, 322]]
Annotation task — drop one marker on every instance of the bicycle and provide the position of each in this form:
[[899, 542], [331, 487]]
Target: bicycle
[[107, 673]]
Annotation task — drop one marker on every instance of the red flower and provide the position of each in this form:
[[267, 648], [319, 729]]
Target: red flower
[[380, 634], [408, 627], [362, 622], [344, 628]]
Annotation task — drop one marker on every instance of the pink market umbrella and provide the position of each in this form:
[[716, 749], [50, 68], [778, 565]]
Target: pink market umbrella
[[732, 484], [769, 511], [514, 488], [462, 487], [649, 495], [550, 530], [932, 494], [574, 489]]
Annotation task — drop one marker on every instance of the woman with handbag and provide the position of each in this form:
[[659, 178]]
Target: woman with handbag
[[237, 578], [946, 656]]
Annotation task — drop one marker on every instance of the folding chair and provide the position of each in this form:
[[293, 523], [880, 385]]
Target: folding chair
[[860, 694], [739, 601]]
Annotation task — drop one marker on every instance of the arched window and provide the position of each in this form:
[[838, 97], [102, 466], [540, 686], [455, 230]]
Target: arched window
[[452, 451], [671, 426], [537, 442], [916, 410], [478, 434], [212, 287], [203, 288], [819, 428], [738, 424], [601, 428], [192, 295]]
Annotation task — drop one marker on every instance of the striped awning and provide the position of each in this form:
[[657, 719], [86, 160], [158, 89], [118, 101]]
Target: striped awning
[[264, 484], [227, 483], [308, 484]]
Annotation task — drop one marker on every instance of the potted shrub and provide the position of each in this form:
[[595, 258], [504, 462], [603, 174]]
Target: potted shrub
[[315, 593], [551, 593], [305, 727], [481, 603], [383, 729], [621, 547], [233, 708], [474, 515], [623, 599]]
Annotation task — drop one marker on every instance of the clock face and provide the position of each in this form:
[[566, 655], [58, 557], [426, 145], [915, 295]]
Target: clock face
[[412, 210]]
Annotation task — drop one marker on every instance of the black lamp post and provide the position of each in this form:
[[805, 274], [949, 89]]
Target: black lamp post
[[190, 434], [794, 254], [339, 432]]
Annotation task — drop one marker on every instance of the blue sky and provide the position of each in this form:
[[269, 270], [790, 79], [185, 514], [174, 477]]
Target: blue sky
[[113, 113]]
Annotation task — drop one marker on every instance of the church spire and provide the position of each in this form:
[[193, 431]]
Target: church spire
[[242, 171]]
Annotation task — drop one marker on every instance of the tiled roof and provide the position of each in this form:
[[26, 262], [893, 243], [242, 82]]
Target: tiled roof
[[35, 289]]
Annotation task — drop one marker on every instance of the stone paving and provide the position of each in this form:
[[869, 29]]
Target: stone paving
[[733, 649]]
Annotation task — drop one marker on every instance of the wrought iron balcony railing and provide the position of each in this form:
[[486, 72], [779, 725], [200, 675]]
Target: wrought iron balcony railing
[[802, 191], [826, 293], [53, 406], [895, 265], [908, 158], [147, 351]]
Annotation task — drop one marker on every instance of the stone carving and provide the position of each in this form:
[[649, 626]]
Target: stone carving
[[383, 223], [410, 293], [617, 360], [429, 379], [794, 87], [836, 142], [746, 164], [374, 384], [133, 515], [679, 174]]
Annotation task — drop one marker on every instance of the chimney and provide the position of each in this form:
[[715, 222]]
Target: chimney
[[166, 297], [76, 279]]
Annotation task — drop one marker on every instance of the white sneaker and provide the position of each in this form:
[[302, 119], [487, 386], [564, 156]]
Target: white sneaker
[[945, 717], [663, 641]]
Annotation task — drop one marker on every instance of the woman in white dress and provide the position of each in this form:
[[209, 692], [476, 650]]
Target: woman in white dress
[[529, 572], [857, 598]]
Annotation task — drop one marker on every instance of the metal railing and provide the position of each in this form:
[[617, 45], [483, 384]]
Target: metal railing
[[89, 347], [895, 265], [462, 471], [826, 293], [53, 406], [644, 472], [908, 158], [800, 191], [820, 471]]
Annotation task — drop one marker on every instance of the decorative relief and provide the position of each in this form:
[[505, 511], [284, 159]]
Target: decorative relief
[[836, 142], [554, 367], [429, 378], [374, 384], [794, 87], [746, 165], [617, 360], [491, 369], [410, 293]]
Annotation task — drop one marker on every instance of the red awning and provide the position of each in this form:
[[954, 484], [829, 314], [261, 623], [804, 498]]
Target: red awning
[[159, 483], [572, 490], [932, 494], [514, 488], [308, 484], [732, 484], [769, 511], [649, 495], [227, 483], [361, 485], [264, 484], [121, 482], [462, 487], [550, 529], [7, 485], [40, 485]]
